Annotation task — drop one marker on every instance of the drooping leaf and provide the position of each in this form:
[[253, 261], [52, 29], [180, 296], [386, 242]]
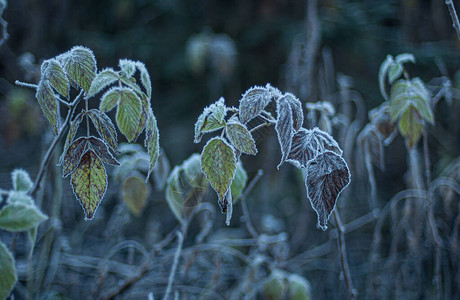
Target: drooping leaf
[[239, 181], [383, 74], [16, 217], [135, 193], [381, 121], [152, 141], [127, 66], [296, 107], [131, 83], [253, 102], [54, 73], [240, 137], [410, 126], [304, 147], [218, 163], [284, 129], [211, 119], [21, 180], [102, 151], [394, 72], [110, 99], [326, 141], [161, 171], [128, 113], [144, 115], [8, 275], [174, 195], [73, 156], [405, 57], [422, 103], [103, 79], [326, 176], [71, 135], [145, 78], [105, 128], [192, 170], [48, 104], [89, 183], [80, 66], [372, 145], [23, 198]]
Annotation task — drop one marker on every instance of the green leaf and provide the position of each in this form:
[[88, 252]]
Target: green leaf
[[394, 72], [193, 173], [410, 126], [299, 288], [128, 113], [21, 180], [383, 74], [48, 103], [73, 156], [405, 57], [89, 183], [105, 128], [253, 102], [275, 287], [152, 141], [211, 119], [15, 197], [240, 137], [103, 79], [131, 82], [8, 275], [239, 182], [144, 115], [54, 73], [174, 195], [80, 65], [145, 78], [110, 99], [218, 163], [135, 193], [127, 66], [71, 135], [20, 217], [423, 100]]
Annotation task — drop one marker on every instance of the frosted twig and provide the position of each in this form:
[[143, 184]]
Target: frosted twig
[[247, 220], [180, 238], [454, 17], [25, 84]]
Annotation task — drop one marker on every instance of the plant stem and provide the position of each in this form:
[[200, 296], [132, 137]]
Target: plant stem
[[87, 118], [259, 126], [180, 238], [25, 84], [431, 219], [247, 220], [352, 292], [453, 15], [47, 158]]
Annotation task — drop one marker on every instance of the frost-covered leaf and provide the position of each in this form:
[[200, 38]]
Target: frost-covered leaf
[[394, 72], [71, 135], [304, 147], [16, 217], [23, 198], [127, 66], [54, 73], [89, 183], [80, 66], [144, 115], [105, 128], [152, 141], [405, 93], [102, 151], [174, 195], [296, 107], [240, 137], [326, 141], [192, 170], [110, 99], [218, 163], [211, 119], [383, 74], [284, 129], [381, 121], [405, 57], [326, 176], [73, 156], [21, 180], [410, 126], [145, 78], [103, 79], [8, 275], [131, 83], [239, 181], [253, 102], [128, 113], [48, 104], [135, 193], [372, 145]]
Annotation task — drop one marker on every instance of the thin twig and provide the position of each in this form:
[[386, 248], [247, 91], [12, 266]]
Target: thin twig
[[260, 126], [25, 84], [453, 15], [247, 220], [180, 238], [431, 220], [352, 292], [53, 145]]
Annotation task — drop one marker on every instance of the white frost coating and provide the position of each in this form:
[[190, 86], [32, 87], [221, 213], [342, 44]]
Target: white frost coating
[[127, 66], [21, 180], [145, 78], [284, 129], [103, 79], [253, 101], [229, 213]]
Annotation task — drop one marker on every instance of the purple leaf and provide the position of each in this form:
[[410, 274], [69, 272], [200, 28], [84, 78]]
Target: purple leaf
[[102, 151], [326, 176], [304, 148], [253, 102], [296, 107], [284, 129], [73, 156]]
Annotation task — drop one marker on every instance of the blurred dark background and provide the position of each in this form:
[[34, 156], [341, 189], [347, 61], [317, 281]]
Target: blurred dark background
[[245, 43]]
